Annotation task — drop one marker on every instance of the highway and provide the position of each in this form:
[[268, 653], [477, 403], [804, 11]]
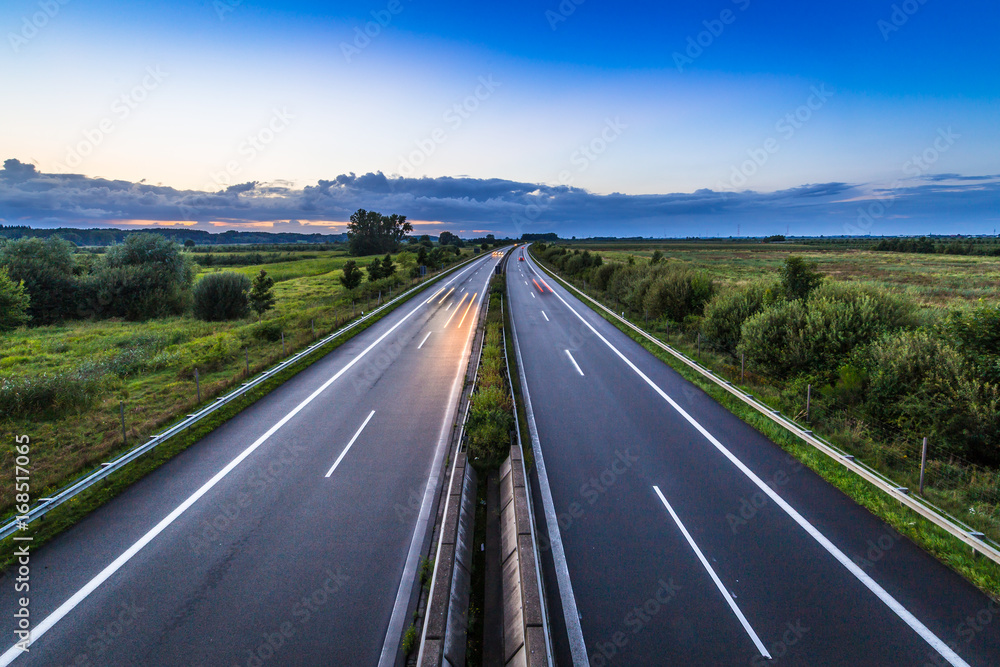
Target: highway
[[289, 535], [675, 534]]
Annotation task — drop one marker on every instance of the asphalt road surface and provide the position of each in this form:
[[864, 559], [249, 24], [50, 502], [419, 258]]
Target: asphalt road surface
[[288, 536], [675, 534]]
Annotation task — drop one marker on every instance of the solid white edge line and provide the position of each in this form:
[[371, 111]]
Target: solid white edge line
[[575, 365], [49, 621], [545, 316], [344, 453], [425, 339], [571, 614], [394, 632], [904, 614], [718, 582]]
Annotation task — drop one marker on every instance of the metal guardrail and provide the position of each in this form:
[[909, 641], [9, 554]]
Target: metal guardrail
[[975, 539], [46, 505]]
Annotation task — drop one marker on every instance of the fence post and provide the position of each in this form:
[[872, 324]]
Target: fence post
[[809, 389], [741, 366], [246, 353], [923, 465], [197, 384], [699, 345], [283, 343], [379, 302], [312, 323], [121, 411]]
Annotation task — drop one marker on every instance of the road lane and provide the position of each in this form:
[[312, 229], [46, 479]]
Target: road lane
[[273, 558], [622, 547]]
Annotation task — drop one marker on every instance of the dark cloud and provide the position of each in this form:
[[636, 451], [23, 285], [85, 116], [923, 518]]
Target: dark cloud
[[941, 203]]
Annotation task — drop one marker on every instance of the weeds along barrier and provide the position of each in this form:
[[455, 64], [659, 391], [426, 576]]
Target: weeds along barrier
[[46, 505], [939, 517]]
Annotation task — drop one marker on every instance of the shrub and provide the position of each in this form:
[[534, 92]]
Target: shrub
[[818, 334], [799, 277], [14, 303], [269, 331], [36, 395], [676, 292], [222, 296], [773, 339], [602, 275], [920, 385], [146, 276], [46, 269], [727, 311]]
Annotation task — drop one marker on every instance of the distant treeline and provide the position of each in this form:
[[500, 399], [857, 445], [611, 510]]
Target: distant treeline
[[978, 246], [114, 236]]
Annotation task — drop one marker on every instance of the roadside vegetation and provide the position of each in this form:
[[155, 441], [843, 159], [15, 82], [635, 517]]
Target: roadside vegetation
[[883, 357], [491, 409], [143, 326]]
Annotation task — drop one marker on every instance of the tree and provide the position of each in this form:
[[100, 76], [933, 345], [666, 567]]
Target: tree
[[352, 275], [45, 269], [14, 303], [261, 294], [406, 260], [374, 270], [447, 238], [370, 232], [189, 243], [422, 256], [388, 268], [657, 256], [799, 277], [222, 296]]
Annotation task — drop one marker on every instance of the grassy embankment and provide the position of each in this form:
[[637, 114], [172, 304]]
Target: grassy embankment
[[92, 365]]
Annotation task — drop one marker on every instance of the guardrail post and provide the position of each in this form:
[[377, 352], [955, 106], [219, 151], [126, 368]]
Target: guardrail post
[[121, 411], [197, 385], [923, 465]]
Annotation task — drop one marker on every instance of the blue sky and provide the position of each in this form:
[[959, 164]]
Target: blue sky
[[631, 107]]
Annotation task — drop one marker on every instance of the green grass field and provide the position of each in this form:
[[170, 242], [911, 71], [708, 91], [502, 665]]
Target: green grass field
[[150, 365], [930, 280]]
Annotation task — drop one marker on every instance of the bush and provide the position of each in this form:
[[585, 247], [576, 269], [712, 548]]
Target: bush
[[269, 331], [46, 269], [351, 276], [602, 275], [675, 292], [818, 334], [920, 385], [799, 277], [14, 303], [222, 296], [146, 276], [773, 339], [727, 311]]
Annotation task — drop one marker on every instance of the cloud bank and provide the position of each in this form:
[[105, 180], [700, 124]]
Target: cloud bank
[[934, 203]]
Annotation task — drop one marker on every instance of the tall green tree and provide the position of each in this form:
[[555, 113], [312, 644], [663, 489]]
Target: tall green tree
[[14, 303], [262, 294], [371, 233], [352, 275]]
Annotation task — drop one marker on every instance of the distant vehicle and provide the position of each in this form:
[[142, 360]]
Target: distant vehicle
[[521, 258]]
